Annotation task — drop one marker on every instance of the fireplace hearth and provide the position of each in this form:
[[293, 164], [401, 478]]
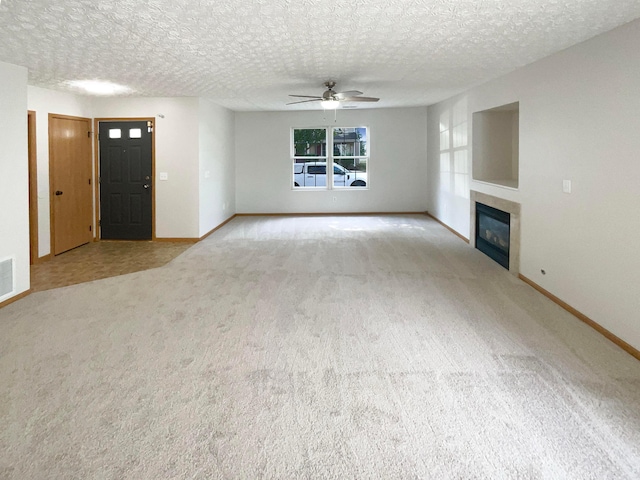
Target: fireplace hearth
[[493, 233]]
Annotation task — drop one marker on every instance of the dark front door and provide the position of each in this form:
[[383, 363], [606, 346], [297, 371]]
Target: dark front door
[[125, 181]]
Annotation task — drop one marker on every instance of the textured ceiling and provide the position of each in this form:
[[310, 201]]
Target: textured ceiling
[[249, 54]]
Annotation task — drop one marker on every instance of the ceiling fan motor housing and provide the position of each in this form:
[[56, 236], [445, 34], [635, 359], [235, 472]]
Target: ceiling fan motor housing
[[329, 94]]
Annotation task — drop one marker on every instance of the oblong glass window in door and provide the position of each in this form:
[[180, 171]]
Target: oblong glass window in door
[[115, 133], [135, 133]]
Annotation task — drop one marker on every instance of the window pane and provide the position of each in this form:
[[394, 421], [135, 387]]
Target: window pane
[[350, 172], [135, 133], [310, 142], [350, 142], [115, 133], [309, 174], [298, 172]]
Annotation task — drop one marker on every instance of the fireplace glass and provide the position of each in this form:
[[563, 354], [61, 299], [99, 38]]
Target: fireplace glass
[[492, 233]]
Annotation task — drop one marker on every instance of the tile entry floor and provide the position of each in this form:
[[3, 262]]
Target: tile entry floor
[[106, 258]]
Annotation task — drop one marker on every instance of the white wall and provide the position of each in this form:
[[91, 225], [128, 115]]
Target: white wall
[[194, 136], [449, 163], [217, 165], [177, 154], [397, 165], [44, 102], [579, 120], [14, 175]]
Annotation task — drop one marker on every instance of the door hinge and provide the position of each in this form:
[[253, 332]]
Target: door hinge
[[90, 228], [89, 181], [89, 134], [100, 222]]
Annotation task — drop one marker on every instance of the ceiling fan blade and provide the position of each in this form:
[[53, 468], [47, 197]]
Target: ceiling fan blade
[[305, 101], [348, 93], [359, 99], [346, 96]]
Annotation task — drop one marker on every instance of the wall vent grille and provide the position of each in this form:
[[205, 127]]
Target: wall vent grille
[[6, 276]]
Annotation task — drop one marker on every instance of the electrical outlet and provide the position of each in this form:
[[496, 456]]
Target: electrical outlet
[[566, 186], [163, 176]]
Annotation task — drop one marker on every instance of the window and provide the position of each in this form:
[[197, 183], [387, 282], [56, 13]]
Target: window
[[309, 155], [350, 153], [345, 147]]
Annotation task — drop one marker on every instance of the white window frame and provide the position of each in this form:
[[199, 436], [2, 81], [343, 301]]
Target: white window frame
[[318, 158], [329, 158]]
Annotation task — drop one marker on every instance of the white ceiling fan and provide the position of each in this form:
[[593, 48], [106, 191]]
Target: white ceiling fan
[[331, 99]]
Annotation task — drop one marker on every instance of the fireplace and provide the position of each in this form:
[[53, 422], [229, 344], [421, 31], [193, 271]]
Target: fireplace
[[507, 206], [493, 233]]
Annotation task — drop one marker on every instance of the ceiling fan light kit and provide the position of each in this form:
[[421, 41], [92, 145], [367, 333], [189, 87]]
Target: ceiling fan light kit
[[330, 104], [330, 99]]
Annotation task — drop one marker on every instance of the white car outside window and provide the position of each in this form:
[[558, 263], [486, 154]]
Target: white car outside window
[[314, 174]]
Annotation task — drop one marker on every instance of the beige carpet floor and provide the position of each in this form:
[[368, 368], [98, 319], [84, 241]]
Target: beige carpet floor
[[313, 347]]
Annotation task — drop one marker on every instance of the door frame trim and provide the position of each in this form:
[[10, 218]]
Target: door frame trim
[[33, 188], [52, 225], [96, 148]]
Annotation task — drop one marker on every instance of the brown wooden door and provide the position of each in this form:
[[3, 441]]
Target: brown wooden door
[[70, 182]]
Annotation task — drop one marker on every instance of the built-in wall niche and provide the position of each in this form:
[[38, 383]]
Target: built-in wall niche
[[496, 145]]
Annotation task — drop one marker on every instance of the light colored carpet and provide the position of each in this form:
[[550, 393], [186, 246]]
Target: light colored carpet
[[313, 347]]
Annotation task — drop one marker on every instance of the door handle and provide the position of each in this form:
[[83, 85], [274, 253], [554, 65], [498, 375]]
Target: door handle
[[146, 185], [58, 192]]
